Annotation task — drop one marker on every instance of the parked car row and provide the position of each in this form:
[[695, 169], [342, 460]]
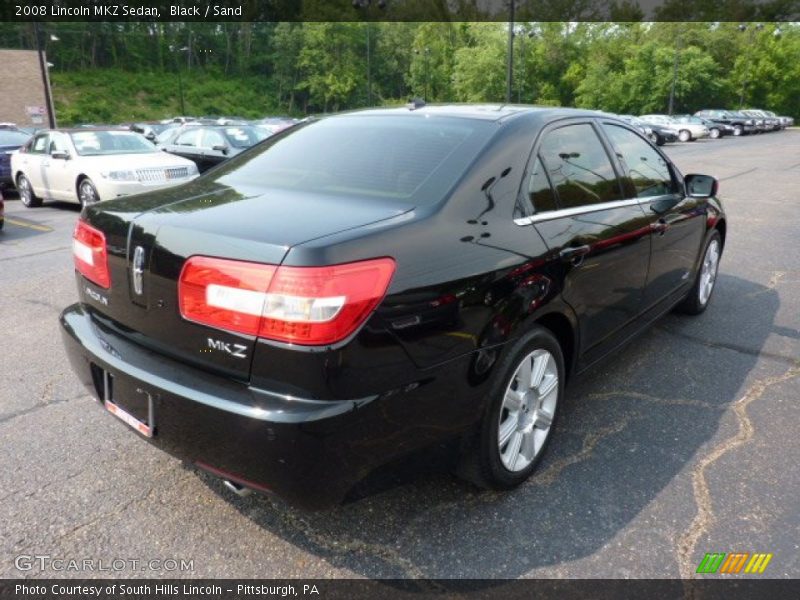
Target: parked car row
[[710, 123], [744, 122], [92, 162]]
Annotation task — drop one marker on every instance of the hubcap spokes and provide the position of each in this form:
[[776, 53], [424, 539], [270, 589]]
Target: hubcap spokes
[[25, 190], [87, 194], [708, 274], [528, 409]]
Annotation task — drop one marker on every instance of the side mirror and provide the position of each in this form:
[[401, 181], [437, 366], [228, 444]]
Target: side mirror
[[60, 154], [701, 186], [220, 148], [151, 136]]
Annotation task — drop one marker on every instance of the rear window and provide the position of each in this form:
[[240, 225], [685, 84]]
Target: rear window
[[415, 159]]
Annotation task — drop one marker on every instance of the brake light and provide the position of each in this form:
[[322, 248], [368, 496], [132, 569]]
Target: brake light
[[299, 305], [89, 252]]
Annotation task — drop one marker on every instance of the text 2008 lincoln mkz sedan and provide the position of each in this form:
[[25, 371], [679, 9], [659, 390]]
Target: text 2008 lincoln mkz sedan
[[367, 284]]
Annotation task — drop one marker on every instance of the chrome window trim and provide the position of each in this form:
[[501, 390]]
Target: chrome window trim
[[577, 210]]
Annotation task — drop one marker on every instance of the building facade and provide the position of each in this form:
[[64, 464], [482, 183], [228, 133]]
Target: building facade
[[23, 92]]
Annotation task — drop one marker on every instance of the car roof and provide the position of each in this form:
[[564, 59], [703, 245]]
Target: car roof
[[483, 112], [84, 129]]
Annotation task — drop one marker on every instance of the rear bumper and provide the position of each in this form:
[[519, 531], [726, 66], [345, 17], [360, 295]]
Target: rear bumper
[[308, 452], [287, 446]]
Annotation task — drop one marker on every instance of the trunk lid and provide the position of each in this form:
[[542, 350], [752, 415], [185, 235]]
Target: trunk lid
[[150, 237]]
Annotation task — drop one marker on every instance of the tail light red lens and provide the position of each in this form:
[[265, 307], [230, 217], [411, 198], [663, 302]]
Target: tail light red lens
[[89, 252], [300, 305]]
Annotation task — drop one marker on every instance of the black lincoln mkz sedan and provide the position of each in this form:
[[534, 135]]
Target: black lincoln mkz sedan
[[368, 284]]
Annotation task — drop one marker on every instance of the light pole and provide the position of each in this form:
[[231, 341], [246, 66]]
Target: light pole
[[51, 117], [180, 78], [674, 74], [742, 28], [510, 57], [425, 54], [530, 35], [363, 5]]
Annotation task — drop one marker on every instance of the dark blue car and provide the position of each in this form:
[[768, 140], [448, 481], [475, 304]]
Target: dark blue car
[[10, 140]]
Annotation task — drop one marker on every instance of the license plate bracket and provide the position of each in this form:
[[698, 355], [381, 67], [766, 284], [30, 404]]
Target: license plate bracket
[[129, 403]]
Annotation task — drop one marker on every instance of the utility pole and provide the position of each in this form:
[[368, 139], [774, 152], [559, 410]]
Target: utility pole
[[369, 69], [510, 63], [51, 117], [674, 74]]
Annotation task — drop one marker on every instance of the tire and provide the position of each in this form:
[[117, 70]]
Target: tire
[[87, 193], [488, 463], [738, 130], [685, 135], [700, 295], [714, 133], [26, 195]]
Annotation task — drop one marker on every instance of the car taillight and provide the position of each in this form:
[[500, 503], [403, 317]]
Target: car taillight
[[299, 305], [89, 252]]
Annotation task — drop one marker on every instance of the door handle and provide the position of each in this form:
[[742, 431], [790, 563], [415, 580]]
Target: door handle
[[575, 254], [660, 227]]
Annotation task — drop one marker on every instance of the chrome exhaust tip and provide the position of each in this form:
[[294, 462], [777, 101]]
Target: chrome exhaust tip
[[237, 489]]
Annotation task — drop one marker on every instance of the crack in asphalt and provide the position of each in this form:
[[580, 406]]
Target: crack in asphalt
[[739, 174], [34, 492], [341, 546], [702, 494], [773, 282], [59, 249], [147, 495], [655, 399], [44, 303], [38, 406], [590, 442], [726, 346]]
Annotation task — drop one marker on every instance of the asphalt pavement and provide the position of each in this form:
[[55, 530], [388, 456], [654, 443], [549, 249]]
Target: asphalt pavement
[[683, 443]]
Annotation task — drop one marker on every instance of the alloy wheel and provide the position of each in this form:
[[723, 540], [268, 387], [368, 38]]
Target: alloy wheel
[[528, 409], [24, 189], [708, 272], [87, 193]]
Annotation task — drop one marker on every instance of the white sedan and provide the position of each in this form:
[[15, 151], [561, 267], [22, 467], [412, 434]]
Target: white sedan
[[687, 132], [89, 165]]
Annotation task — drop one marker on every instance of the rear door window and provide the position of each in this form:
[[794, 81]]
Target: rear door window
[[647, 171], [537, 194], [579, 166], [212, 138]]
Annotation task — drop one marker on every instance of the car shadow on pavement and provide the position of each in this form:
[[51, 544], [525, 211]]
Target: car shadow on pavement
[[626, 431]]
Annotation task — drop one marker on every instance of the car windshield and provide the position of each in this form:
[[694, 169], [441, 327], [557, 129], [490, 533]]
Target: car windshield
[[243, 136], [406, 158], [13, 138], [96, 143]]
